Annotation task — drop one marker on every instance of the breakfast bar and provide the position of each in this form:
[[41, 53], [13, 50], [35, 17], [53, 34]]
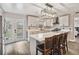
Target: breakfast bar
[[41, 36], [38, 38]]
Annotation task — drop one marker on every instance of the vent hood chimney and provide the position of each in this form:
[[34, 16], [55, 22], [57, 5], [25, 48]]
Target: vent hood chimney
[[56, 21]]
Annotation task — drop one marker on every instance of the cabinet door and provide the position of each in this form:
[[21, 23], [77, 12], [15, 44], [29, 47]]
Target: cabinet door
[[64, 20]]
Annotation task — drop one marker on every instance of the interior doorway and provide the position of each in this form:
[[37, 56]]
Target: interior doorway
[[76, 27]]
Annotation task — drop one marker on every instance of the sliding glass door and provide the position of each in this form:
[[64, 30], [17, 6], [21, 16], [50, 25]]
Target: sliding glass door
[[8, 29], [14, 30]]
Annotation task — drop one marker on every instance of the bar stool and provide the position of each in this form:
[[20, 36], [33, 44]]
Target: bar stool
[[56, 45], [65, 38], [63, 42], [45, 48]]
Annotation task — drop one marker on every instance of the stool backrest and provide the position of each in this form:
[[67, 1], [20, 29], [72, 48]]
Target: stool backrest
[[63, 38], [56, 41], [48, 43], [65, 35]]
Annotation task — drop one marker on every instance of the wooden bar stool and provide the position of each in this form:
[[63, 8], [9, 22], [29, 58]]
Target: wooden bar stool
[[45, 48], [65, 38], [63, 43], [56, 45]]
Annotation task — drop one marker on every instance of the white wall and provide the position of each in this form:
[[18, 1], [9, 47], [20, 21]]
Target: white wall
[[1, 12], [72, 34], [33, 21]]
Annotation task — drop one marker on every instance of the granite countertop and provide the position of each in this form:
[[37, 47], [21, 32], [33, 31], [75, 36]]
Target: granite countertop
[[41, 36]]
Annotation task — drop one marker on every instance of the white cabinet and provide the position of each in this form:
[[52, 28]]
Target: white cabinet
[[64, 20], [36, 21]]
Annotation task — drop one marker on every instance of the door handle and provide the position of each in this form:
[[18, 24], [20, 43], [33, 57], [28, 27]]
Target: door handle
[[15, 30]]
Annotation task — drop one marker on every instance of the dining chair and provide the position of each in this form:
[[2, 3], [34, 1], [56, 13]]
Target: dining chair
[[46, 47]]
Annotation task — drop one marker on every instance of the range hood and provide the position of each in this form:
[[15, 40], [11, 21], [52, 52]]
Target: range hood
[[56, 21]]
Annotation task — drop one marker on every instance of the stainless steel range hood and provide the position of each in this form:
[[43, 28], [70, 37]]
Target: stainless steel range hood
[[56, 21]]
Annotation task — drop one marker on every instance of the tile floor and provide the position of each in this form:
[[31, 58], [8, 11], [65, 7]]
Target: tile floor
[[73, 48]]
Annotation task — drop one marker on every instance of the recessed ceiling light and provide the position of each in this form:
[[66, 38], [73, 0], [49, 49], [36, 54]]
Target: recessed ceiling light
[[19, 6]]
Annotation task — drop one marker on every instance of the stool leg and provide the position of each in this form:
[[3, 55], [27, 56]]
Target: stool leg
[[64, 51], [36, 51], [67, 47]]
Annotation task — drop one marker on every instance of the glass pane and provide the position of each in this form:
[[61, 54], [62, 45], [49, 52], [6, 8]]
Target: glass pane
[[8, 30], [19, 30]]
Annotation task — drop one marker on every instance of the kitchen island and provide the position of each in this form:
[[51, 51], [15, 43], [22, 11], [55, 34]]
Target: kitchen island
[[40, 37]]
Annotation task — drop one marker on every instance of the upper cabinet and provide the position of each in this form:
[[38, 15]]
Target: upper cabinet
[[35, 21], [64, 20]]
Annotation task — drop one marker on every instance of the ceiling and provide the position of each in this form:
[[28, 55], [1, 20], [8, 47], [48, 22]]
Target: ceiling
[[35, 8]]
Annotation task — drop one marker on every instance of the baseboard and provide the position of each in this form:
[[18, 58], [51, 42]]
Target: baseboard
[[73, 40]]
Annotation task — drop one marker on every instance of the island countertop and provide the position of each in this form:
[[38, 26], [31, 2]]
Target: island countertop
[[42, 36]]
